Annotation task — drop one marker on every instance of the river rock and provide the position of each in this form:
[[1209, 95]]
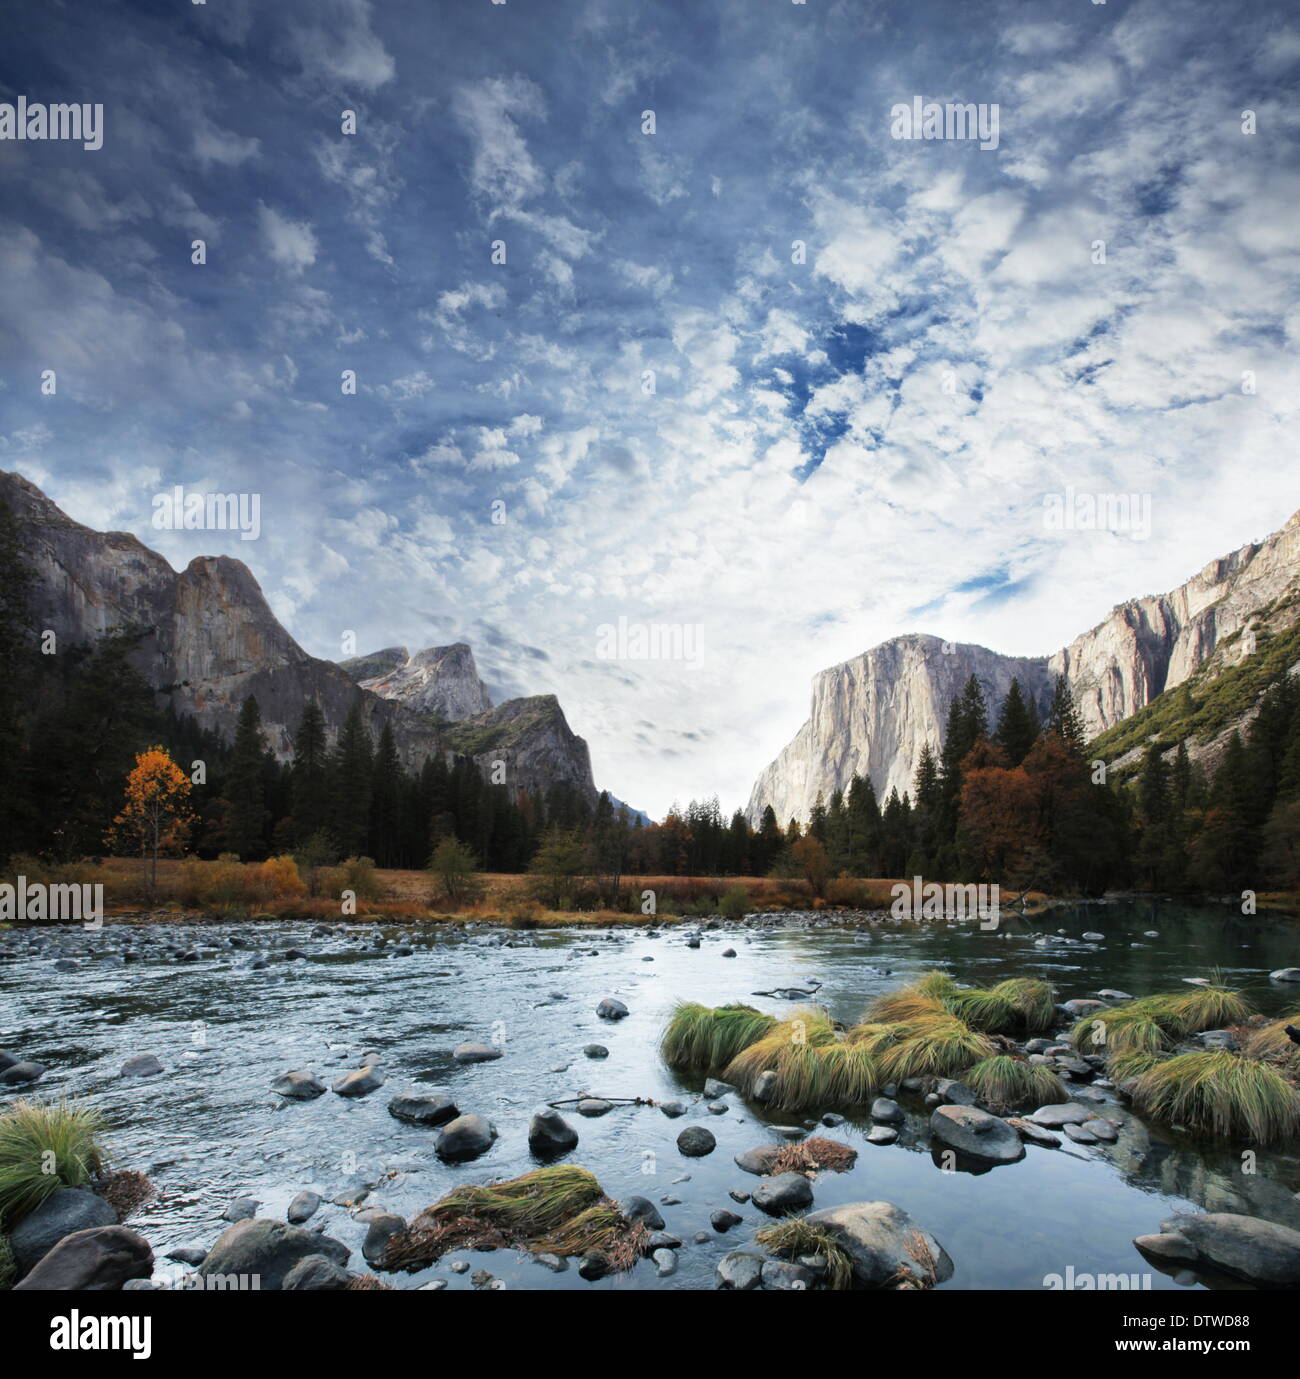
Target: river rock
[[268, 1250], [1100, 1130], [1062, 1114], [887, 1112], [760, 1159], [641, 1211], [695, 1142], [592, 1106], [549, 1133], [434, 1109], [882, 1134], [477, 1053], [1285, 974], [715, 1090], [241, 1209], [610, 1009], [1109, 993], [359, 1082], [977, 1133], [64, 1212], [299, 1085], [673, 1109], [740, 1270], [315, 1274], [953, 1093], [1083, 1007], [1034, 1134], [596, 1051], [723, 1220], [303, 1207], [379, 1232], [16, 1074], [782, 1194], [99, 1260], [464, 1138], [883, 1242], [780, 1275], [1247, 1247], [142, 1065], [764, 1086]]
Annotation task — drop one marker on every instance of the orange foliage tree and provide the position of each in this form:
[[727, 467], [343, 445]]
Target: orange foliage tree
[[156, 816]]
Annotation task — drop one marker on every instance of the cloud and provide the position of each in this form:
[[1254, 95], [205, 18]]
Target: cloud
[[291, 243]]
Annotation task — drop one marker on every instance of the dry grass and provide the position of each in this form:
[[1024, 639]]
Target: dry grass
[[813, 1155], [126, 1191], [795, 1236]]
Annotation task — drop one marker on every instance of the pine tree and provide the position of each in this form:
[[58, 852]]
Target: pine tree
[[1017, 726], [244, 790], [1063, 718], [309, 775], [350, 769], [386, 801]]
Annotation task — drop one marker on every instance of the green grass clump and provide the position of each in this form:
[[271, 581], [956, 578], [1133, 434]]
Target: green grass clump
[[849, 1073], [1272, 1044], [813, 1065], [1006, 1083], [1123, 1067], [701, 1039], [1034, 1001], [1133, 1028], [988, 1011], [1153, 1023], [43, 1147], [795, 1236], [1202, 1007], [937, 1046], [8, 1269], [1220, 1093], [561, 1209], [922, 997]]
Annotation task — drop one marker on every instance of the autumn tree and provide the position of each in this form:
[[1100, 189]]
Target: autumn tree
[[810, 857], [156, 816]]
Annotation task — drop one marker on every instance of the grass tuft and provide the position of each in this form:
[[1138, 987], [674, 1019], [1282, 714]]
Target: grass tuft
[[43, 1147], [936, 1046], [1220, 1093], [701, 1039], [795, 1236], [1005, 1083]]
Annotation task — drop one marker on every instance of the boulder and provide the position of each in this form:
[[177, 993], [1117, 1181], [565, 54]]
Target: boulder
[[641, 1211], [740, 1271], [379, 1232], [464, 1138], [882, 1134], [1247, 1247], [1034, 1134], [268, 1250], [713, 1089], [424, 1110], [99, 1260], [549, 1133], [884, 1244], [142, 1065], [976, 1133], [764, 1086], [1285, 974], [782, 1275], [359, 1082], [315, 1274], [695, 1142], [477, 1053], [1082, 1007], [303, 1207], [759, 1160], [64, 1212], [241, 1209], [299, 1085], [593, 1106], [16, 1074], [887, 1112], [953, 1093], [610, 1009], [1065, 1113], [783, 1193]]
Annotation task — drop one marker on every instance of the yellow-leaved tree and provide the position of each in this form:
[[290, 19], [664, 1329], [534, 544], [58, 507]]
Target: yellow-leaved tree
[[157, 816]]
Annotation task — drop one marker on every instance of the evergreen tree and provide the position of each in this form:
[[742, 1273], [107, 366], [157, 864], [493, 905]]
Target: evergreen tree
[[1064, 719], [350, 769], [386, 801], [309, 775], [244, 790], [1017, 726]]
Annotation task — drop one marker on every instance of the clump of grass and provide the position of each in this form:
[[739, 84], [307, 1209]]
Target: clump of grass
[[1220, 1093], [1123, 1067], [1034, 1002], [1006, 1083], [1202, 1007], [813, 1155], [8, 1269], [936, 1046], [848, 1073], [366, 1283], [924, 996], [561, 1209], [1271, 1043], [701, 1039], [43, 1147], [795, 1236], [784, 1047], [988, 1011], [1132, 1028]]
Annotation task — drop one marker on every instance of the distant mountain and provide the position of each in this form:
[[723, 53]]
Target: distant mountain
[[208, 640], [873, 714], [441, 681]]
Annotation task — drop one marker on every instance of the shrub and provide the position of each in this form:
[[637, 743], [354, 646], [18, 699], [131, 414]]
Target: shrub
[[355, 874], [734, 903], [44, 1147], [455, 866], [277, 879], [1219, 1093]]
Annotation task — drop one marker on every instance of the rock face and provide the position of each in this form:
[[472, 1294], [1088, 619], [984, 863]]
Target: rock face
[[1245, 1246], [885, 1244], [209, 639], [873, 714], [441, 681]]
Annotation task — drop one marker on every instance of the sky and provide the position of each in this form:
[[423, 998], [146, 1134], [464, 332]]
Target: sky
[[753, 371]]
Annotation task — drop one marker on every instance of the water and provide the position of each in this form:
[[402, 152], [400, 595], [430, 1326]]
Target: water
[[209, 1129]]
